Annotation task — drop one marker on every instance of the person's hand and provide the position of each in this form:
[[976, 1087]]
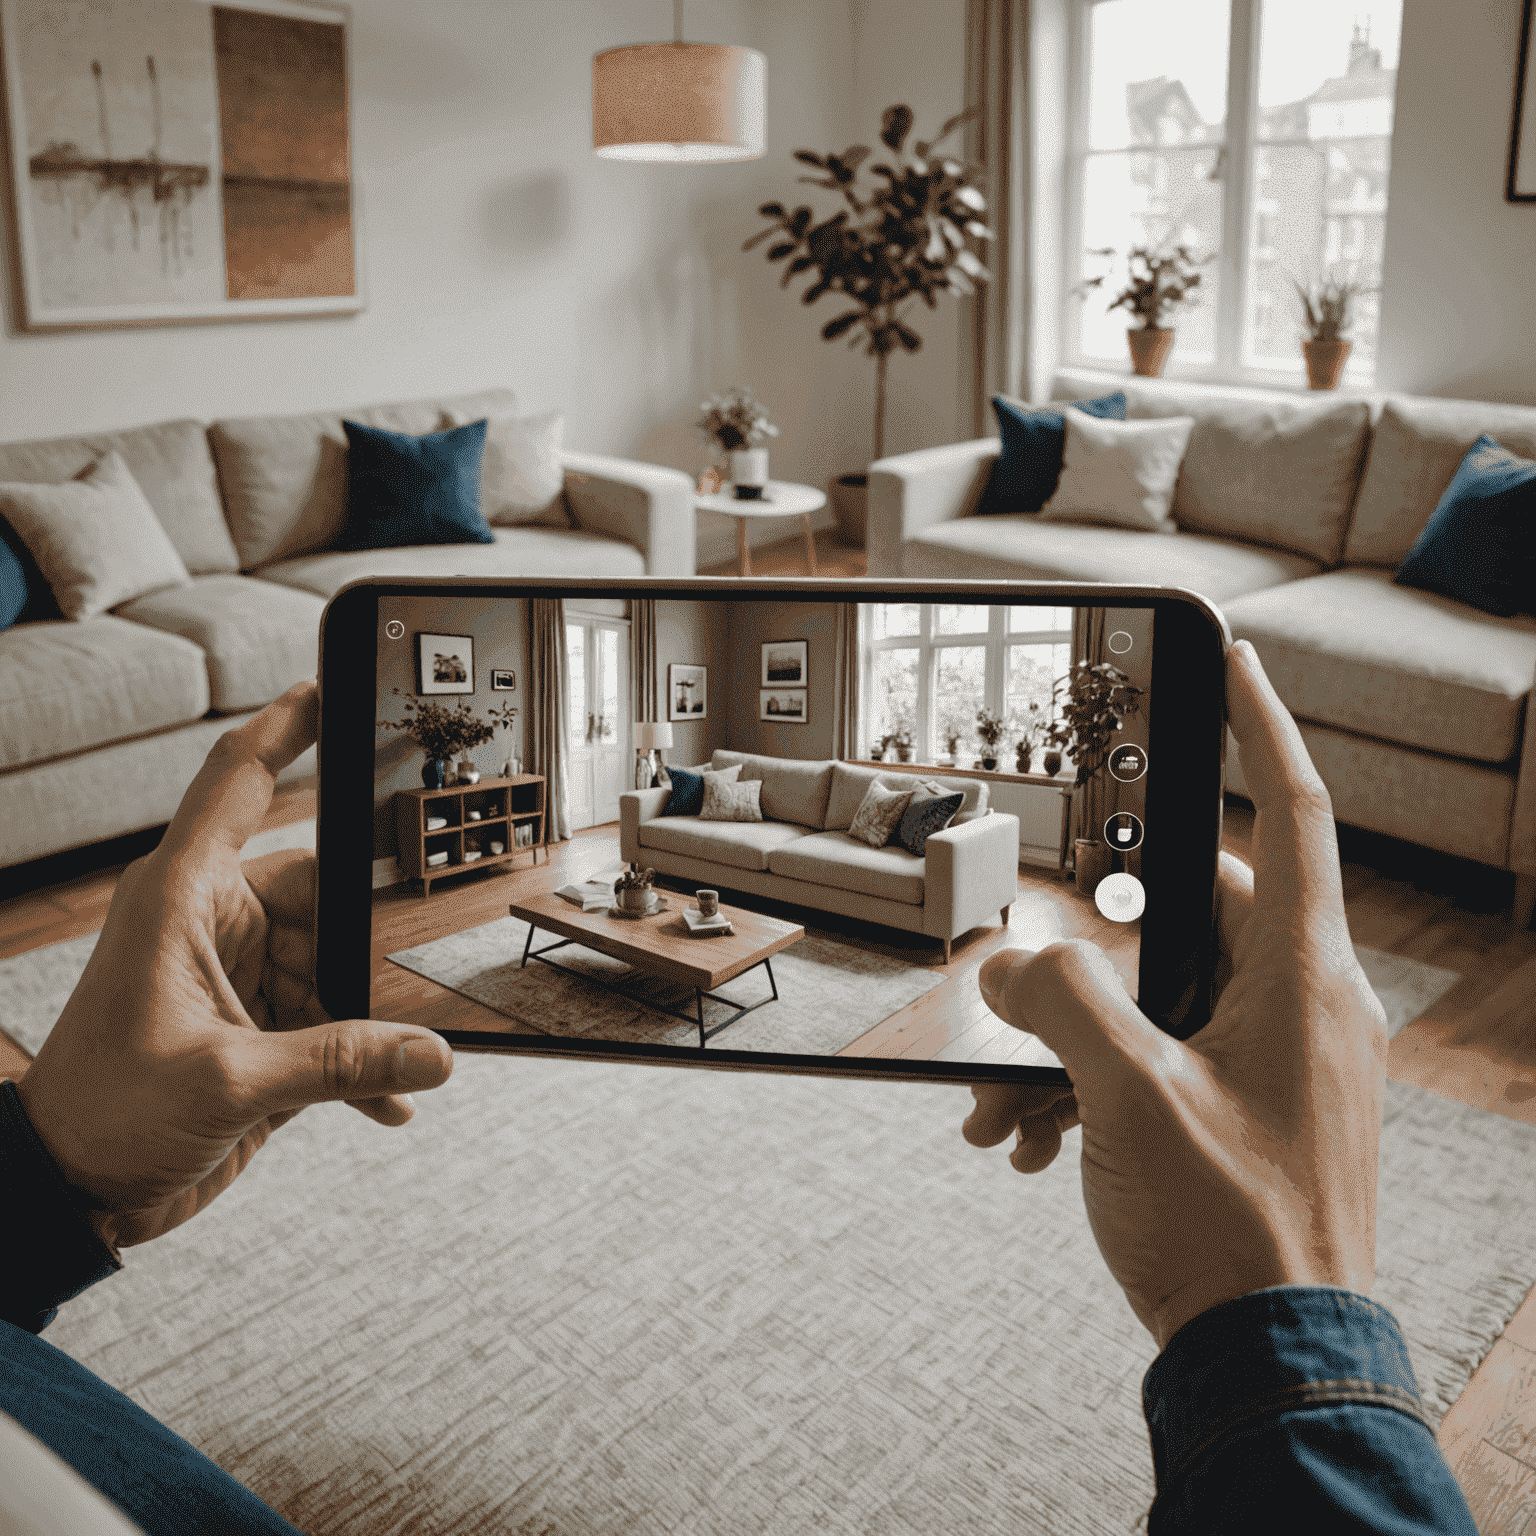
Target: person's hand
[[195, 1031], [1245, 1157]]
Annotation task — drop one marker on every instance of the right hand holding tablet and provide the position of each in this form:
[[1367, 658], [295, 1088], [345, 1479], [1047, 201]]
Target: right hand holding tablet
[[1246, 1157]]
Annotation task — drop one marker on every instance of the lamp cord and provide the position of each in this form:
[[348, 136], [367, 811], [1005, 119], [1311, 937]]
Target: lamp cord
[[677, 21]]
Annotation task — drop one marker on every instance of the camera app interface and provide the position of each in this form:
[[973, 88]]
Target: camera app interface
[[785, 827]]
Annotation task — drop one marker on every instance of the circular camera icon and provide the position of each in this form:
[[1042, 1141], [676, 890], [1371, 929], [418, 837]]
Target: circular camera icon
[[1124, 831], [1120, 642], [394, 629], [1121, 898], [1127, 763]]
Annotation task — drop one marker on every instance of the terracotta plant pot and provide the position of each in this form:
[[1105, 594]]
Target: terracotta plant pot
[[849, 495], [1051, 763], [1149, 350], [1023, 758], [1325, 362], [1091, 863], [903, 754]]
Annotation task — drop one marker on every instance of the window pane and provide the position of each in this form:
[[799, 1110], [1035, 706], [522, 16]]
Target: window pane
[[1158, 200], [1036, 621], [1157, 72], [960, 619], [895, 691], [1032, 669], [608, 639], [1327, 70], [895, 619], [576, 703], [960, 679]]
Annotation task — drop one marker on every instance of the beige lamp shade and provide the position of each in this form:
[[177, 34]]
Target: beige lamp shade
[[679, 101], [650, 734]]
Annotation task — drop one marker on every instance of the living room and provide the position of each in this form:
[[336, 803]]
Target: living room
[[503, 267]]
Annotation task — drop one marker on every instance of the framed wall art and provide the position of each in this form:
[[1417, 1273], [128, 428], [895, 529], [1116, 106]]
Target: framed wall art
[[1522, 139], [687, 692], [786, 706], [445, 664], [784, 663], [173, 160], [503, 680]]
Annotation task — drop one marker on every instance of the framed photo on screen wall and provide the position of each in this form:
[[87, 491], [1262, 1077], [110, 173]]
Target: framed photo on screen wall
[[687, 692], [445, 664]]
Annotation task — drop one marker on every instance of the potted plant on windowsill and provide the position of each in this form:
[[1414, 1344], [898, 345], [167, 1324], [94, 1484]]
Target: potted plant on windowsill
[[902, 241], [1029, 738], [1326, 315], [1156, 281], [989, 728], [1090, 704]]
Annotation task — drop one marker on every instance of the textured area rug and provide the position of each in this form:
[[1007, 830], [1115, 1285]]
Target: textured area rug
[[830, 993], [603, 1300]]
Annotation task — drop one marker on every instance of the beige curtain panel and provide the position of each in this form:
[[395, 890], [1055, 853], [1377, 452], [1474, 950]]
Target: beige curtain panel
[[845, 695], [548, 688], [642, 656]]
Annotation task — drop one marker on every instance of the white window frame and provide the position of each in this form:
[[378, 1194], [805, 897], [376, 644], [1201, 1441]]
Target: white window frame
[[1237, 174]]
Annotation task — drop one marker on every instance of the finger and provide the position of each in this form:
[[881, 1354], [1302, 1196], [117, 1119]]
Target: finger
[[388, 1109], [1002, 1107], [284, 883], [1040, 1136], [992, 978], [225, 803], [356, 1059], [1234, 900]]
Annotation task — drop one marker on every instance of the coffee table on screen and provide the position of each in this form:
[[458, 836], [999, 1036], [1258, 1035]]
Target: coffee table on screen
[[661, 945]]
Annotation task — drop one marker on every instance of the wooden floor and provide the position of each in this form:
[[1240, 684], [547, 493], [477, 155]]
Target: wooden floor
[[1476, 1045]]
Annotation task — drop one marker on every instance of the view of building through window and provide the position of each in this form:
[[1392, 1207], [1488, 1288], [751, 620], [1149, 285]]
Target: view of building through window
[[1318, 137]]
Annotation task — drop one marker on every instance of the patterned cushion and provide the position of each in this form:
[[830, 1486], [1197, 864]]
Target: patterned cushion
[[923, 817], [687, 797], [878, 814], [727, 801]]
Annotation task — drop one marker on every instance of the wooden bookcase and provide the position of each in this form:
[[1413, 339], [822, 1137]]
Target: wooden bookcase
[[475, 816]]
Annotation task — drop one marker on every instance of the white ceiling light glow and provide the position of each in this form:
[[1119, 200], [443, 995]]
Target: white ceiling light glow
[[679, 101]]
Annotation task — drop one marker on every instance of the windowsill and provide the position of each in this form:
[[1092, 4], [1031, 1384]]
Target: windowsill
[[1062, 780], [1254, 381]]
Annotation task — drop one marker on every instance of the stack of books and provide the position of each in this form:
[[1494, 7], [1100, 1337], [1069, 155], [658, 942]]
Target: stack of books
[[594, 895]]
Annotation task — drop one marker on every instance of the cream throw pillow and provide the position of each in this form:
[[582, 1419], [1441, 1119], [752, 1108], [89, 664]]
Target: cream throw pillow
[[1119, 472], [878, 814], [96, 540], [727, 801], [522, 478]]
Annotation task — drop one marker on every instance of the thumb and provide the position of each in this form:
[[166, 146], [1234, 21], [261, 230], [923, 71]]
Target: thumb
[[350, 1059], [1069, 995]]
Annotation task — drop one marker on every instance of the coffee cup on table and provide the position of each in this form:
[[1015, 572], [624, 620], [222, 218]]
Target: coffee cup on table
[[709, 903]]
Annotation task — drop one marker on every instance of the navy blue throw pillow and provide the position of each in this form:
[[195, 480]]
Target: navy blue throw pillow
[[1479, 545], [13, 586], [687, 797], [404, 490], [1034, 439], [921, 820]]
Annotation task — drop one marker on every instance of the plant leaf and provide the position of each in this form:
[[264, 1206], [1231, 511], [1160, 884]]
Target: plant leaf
[[895, 125], [781, 250], [772, 210], [835, 328], [809, 157]]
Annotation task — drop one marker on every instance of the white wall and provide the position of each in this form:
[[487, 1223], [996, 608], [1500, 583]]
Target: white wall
[[1458, 302]]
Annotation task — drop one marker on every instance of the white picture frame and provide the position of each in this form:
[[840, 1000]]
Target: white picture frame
[[1521, 187], [687, 691], [444, 664], [785, 663], [783, 706]]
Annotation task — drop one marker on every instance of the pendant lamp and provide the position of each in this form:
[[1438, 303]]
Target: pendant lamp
[[679, 101]]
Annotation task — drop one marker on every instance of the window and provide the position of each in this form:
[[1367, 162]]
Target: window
[[931, 666], [1260, 130]]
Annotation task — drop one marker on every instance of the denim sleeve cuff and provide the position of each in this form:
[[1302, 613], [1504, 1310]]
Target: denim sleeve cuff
[[55, 1251], [1267, 1353]]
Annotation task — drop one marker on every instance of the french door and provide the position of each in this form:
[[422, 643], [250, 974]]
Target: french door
[[598, 728]]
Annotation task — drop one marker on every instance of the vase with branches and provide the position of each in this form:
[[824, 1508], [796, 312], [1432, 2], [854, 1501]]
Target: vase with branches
[[441, 732], [1157, 281], [1326, 314]]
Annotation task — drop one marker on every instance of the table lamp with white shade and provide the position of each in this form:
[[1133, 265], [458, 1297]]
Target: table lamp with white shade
[[651, 736]]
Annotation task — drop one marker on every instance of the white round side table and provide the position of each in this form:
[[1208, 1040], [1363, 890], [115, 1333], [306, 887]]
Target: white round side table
[[780, 498]]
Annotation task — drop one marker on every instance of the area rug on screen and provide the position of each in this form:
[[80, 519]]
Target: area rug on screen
[[616, 1301], [830, 993]]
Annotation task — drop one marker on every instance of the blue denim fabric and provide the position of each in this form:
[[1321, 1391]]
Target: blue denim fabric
[[1295, 1405]]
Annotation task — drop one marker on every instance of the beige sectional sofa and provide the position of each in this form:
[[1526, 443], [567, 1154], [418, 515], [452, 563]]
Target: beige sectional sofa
[[1292, 515], [801, 851], [104, 722]]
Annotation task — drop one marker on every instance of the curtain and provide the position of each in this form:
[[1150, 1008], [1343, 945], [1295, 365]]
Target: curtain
[[1088, 645], [547, 709], [642, 656], [845, 694]]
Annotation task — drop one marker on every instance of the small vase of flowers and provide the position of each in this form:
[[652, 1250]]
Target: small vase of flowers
[[736, 424], [634, 889], [989, 728]]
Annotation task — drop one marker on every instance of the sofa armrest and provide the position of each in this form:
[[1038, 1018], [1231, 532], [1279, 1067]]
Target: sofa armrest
[[912, 491], [647, 505], [970, 874], [1522, 831], [636, 806]]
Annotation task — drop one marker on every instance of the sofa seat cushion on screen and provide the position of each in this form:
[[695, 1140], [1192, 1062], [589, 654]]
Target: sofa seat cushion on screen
[[171, 465], [838, 860], [1352, 650], [259, 638], [739, 844], [1033, 439], [1024, 548], [515, 552], [68, 686], [285, 477], [792, 790], [405, 490], [850, 783]]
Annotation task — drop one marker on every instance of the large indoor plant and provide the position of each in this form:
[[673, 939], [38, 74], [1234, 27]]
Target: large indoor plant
[[1156, 281], [907, 239], [1090, 705], [1325, 309]]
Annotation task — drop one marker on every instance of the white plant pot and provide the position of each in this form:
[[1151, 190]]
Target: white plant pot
[[749, 466]]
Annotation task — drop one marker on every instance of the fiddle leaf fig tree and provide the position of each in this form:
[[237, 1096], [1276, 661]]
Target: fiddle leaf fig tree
[[905, 240]]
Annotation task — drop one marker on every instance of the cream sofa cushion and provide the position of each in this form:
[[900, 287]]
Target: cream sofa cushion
[[171, 465], [95, 538], [792, 790], [285, 477], [522, 476], [726, 800], [1350, 649], [1018, 546], [740, 844], [1415, 451], [879, 812], [65, 687], [849, 785], [835, 859], [1118, 472], [259, 638]]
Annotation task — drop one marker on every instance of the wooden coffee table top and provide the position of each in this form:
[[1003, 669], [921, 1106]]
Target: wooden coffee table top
[[661, 944]]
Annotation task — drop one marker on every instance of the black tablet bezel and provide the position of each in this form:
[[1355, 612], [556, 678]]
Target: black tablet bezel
[[1185, 755]]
